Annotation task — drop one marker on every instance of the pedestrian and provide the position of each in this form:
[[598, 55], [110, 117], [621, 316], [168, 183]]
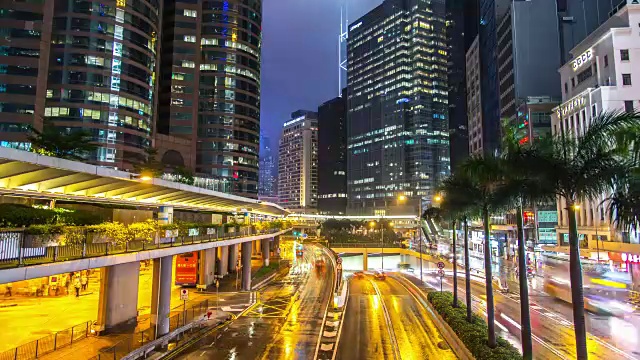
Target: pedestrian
[[77, 285], [84, 281], [9, 288], [67, 282]]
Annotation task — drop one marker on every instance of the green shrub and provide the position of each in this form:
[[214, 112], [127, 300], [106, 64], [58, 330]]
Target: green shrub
[[473, 334], [45, 230], [16, 215]]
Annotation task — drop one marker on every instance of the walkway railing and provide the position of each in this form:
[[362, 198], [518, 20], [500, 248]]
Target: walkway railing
[[48, 344], [14, 254], [364, 245], [135, 341]]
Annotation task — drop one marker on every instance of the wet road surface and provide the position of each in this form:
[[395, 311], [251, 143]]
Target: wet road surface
[[284, 325], [384, 321], [551, 323]]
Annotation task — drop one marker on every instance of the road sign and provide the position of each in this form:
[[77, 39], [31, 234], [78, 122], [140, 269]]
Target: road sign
[[440, 265], [339, 266], [441, 273], [184, 294], [304, 236]]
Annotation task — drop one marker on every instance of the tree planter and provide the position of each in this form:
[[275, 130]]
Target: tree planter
[[98, 238], [44, 240]]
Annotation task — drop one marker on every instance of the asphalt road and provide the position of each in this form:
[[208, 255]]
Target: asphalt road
[[284, 325], [384, 321], [552, 329]]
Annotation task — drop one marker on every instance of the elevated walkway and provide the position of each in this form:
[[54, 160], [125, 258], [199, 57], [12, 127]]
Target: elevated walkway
[[90, 257]]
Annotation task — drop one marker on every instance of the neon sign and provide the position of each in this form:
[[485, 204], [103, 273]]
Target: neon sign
[[571, 106], [630, 258], [584, 58], [356, 26]]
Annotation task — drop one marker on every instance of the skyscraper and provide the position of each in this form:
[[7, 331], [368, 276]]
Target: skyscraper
[[397, 122], [82, 65], [268, 184], [298, 162], [210, 87], [332, 156]]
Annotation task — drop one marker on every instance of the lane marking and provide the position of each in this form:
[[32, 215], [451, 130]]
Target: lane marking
[[344, 310], [333, 290], [387, 318], [534, 337]]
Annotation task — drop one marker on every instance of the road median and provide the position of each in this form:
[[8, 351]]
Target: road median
[[472, 336]]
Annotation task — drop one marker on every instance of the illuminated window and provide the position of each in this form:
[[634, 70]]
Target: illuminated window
[[190, 13], [188, 64], [190, 38], [121, 3]]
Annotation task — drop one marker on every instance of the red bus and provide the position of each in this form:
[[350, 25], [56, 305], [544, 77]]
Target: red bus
[[187, 269]]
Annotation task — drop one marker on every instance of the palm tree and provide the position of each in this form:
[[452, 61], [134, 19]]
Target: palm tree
[[440, 213], [577, 168], [519, 187], [474, 187]]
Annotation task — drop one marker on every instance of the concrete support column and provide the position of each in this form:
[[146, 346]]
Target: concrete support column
[[207, 266], [255, 247], [265, 251], [365, 260], [224, 260], [161, 294], [118, 302], [233, 257], [246, 265]]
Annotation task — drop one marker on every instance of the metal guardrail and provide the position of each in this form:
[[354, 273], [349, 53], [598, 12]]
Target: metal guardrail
[[14, 254], [363, 245], [49, 343], [135, 341]]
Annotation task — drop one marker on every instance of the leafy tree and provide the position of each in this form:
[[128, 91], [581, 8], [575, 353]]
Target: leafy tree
[[56, 141], [579, 168], [151, 166], [184, 175]]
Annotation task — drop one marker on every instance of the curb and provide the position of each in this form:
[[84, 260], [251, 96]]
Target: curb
[[8, 305], [456, 345]]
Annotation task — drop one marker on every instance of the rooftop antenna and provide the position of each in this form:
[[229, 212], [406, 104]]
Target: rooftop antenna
[[342, 44]]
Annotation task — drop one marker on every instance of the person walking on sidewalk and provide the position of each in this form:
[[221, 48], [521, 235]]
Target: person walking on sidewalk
[[83, 282], [9, 287], [77, 285]]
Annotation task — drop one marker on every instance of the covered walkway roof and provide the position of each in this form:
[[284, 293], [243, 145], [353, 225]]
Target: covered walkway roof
[[27, 174]]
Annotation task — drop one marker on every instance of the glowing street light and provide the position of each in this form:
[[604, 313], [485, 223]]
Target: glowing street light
[[402, 198]]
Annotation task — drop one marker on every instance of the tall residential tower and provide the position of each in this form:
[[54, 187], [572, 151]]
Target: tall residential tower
[[397, 122], [298, 162]]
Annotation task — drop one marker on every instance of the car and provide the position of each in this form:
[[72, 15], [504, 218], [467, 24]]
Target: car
[[358, 274], [379, 275]]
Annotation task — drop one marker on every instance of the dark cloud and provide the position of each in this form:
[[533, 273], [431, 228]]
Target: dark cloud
[[300, 56]]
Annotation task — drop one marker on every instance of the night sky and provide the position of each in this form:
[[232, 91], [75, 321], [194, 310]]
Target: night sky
[[300, 56]]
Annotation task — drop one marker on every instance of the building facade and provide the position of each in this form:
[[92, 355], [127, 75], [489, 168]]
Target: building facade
[[522, 73], [100, 67], [578, 18], [604, 76], [332, 156], [474, 99], [84, 66], [268, 184], [397, 121], [210, 87], [298, 162]]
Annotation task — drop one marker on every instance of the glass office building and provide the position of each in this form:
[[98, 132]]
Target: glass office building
[[397, 122]]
